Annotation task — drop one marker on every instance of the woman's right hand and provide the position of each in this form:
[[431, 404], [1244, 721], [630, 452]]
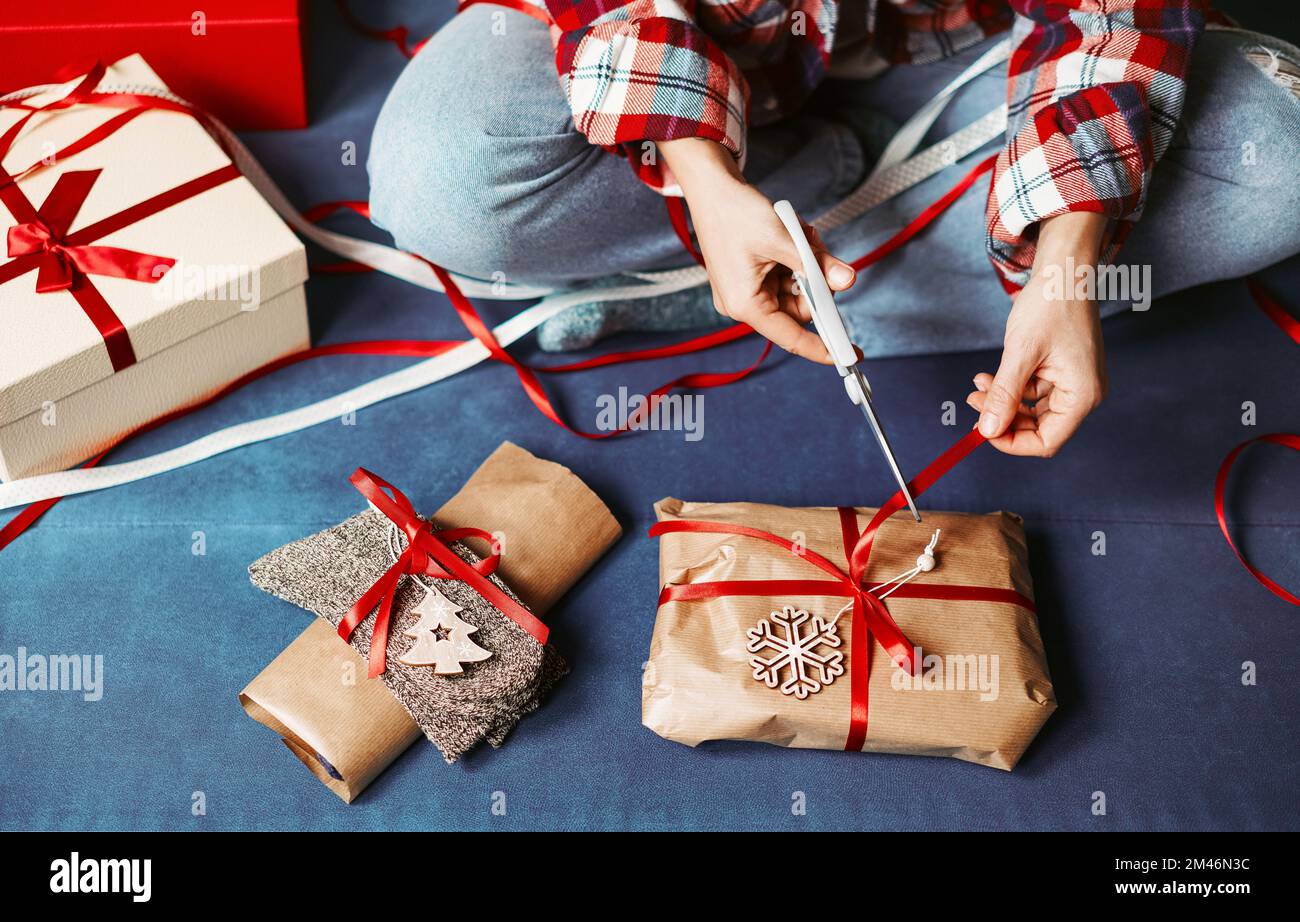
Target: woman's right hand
[[747, 252]]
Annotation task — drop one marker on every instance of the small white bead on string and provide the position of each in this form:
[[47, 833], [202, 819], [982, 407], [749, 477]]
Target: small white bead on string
[[924, 564]]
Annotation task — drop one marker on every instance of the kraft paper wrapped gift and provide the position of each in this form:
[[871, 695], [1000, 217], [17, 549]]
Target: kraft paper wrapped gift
[[327, 573], [984, 689], [142, 274], [347, 733]]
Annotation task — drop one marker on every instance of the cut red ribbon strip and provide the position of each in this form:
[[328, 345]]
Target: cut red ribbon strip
[[533, 386], [406, 348], [398, 35], [1291, 327], [677, 217], [870, 616], [1286, 440], [427, 553], [519, 6], [1274, 311]]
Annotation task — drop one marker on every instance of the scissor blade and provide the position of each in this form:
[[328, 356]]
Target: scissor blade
[[869, 412]]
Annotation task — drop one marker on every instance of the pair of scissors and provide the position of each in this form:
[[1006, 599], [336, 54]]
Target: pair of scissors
[[829, 324]]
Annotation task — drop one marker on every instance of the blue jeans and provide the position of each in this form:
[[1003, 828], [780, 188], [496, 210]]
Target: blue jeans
[[475, 164]]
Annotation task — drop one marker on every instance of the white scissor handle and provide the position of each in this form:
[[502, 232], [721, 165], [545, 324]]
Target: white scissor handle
[[826, 316]]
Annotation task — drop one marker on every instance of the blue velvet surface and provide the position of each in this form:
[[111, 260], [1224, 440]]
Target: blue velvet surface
[[1146, 644]]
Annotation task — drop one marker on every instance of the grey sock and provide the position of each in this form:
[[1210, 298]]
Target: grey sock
[[583, 324]]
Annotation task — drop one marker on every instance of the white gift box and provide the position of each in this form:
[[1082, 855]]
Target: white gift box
[[230, 300]]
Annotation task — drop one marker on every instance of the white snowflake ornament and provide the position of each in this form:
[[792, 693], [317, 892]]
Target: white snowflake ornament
[[797, 651]]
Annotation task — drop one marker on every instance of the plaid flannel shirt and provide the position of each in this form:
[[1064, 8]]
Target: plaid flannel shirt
[[1095, 87]]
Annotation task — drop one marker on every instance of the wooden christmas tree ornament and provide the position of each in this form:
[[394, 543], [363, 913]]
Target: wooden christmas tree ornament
[[441, 637]]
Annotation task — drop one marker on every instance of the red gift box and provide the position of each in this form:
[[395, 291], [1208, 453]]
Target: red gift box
[[242, 61]]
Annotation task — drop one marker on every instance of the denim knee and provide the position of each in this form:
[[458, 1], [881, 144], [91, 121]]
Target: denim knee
[[1225, 198], [472, 141], [1270, 148], [1243, 119]]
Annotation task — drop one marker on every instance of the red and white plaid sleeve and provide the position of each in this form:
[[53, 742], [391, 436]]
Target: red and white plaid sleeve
[[642, 70], [1096, 90]]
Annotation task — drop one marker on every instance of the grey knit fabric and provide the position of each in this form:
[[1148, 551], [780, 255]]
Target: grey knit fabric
[[582, 325], [327, 572]]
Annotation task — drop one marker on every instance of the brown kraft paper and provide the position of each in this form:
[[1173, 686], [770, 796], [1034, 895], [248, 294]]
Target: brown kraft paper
[[554, 527], [698, 684]]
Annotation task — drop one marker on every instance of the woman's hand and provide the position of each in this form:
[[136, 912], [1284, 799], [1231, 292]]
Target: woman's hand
[[747, 252], [1053, 371]]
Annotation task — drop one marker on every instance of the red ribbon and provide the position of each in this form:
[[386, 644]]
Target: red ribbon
[[532, 385], [398, 35], [870, 617], [410, 348], [427, 553], [1285, 439], [1285, 322], [677, 217], [132, 104], [519, 6], [1291, 327], [927, 215]]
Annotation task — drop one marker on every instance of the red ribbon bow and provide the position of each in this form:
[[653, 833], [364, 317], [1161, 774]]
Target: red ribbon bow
[[870, 616], [428, 554], [42, 239], [62, 264]]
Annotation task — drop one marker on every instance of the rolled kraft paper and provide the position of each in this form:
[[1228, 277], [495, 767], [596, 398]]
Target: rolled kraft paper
[[698, 684], [347, 730]]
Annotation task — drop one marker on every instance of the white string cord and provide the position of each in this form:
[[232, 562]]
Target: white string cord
[[924, 564], [396, 539]]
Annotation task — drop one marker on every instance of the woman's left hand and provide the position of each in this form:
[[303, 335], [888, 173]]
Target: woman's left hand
[[1053, 370]]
